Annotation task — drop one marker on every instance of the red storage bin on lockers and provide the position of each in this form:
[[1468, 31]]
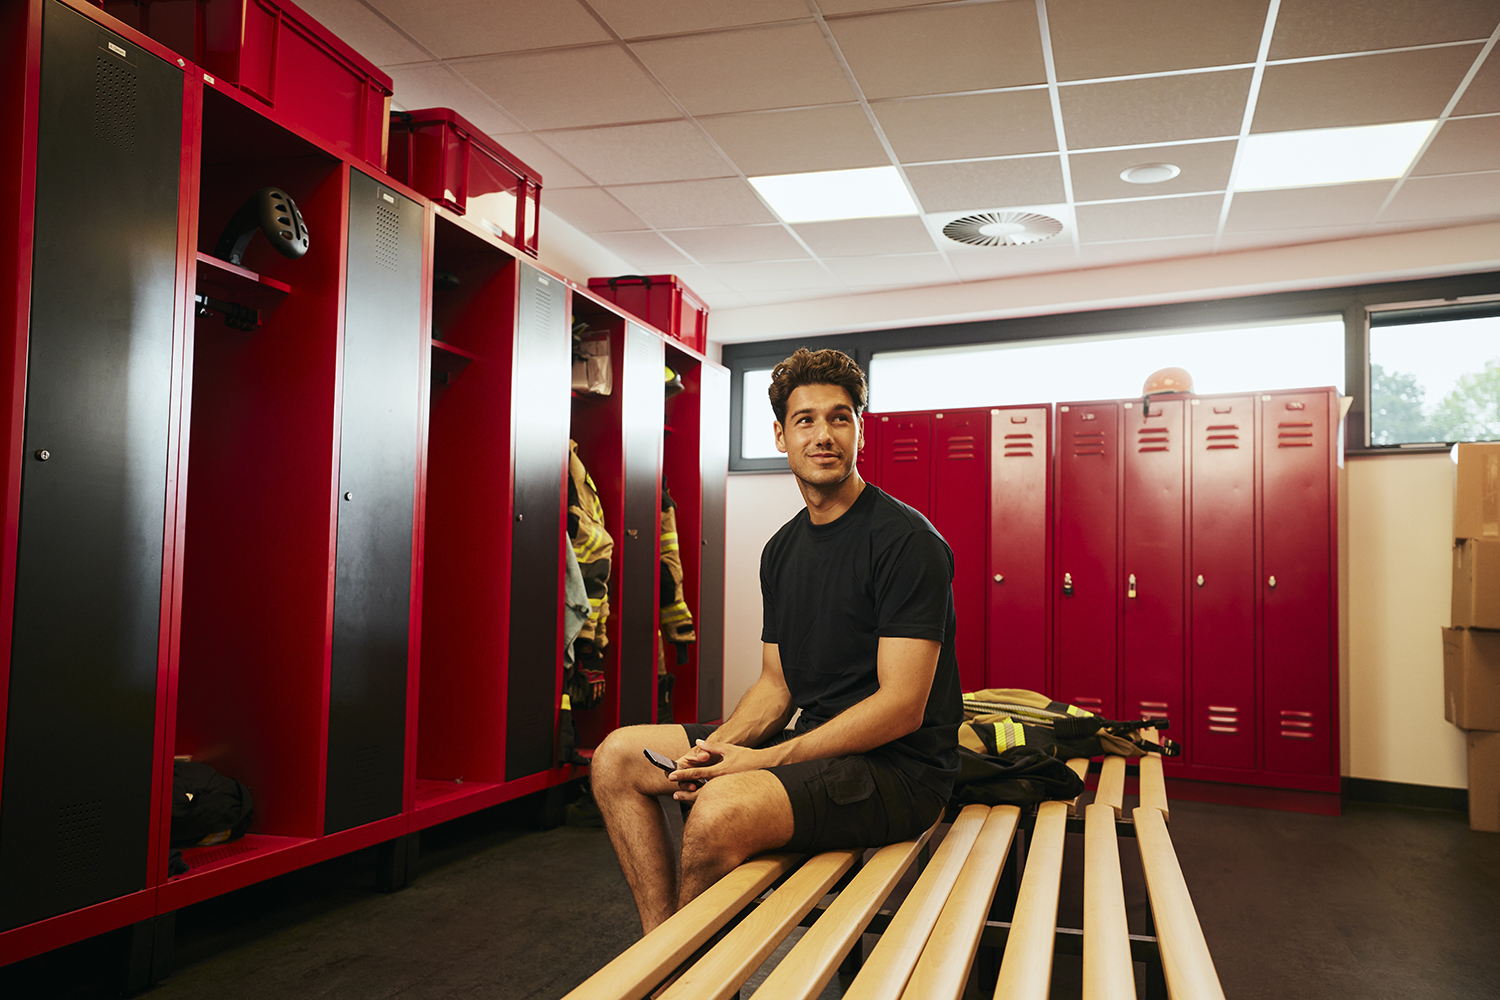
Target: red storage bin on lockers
[[280, 55], [435, 151], [661, 300]]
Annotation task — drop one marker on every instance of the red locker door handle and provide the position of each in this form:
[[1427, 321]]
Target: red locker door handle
[[1272, 583], [1200, 579], [999, 578], [1131, 591]]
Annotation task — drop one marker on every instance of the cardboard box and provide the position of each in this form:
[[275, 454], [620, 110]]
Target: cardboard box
[[1484, 782], [1471, 678], [1476, 583], [1476, 508]]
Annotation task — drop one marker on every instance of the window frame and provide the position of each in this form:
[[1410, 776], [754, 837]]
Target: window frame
[[1354, 303]]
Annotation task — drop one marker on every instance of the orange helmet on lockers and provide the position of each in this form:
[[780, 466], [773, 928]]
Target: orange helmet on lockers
[[1168, 380]]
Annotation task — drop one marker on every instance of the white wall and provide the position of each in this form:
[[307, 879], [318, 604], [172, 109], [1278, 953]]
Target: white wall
[[1398, 523]]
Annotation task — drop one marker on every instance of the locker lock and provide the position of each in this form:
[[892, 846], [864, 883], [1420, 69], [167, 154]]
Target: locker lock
[[999, 578], [633, 532], [348, 496], [1067, 583], [1272, 583], [42, 454], [1131, 591], [1200, 579]]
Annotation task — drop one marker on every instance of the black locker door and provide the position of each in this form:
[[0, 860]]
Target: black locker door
[[644, 395], [377, 481], [75, 809], [713, 430], [540, 413]]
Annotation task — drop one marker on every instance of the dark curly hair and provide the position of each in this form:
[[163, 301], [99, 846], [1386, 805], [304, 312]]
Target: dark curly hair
[[826, 367]]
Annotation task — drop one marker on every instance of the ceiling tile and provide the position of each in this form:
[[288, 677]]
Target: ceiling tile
[[946, 187], [639, 154], [687, 204], [634, 19], [1463, 145], [836, 137], [774, 276], [476, 27], [748, 69], [1301, 208], [1002, 262], [858, 237], [782, 296], [731, 244], [1363, 90], [1458, 196], [592, 210], [700, 280], [429, 85], [1323, 27], [1230, 242], [556, 172], [956, 128], [365, 31], [1160, 109], [832, 7], [1103, 254], [1205, 167], [1095, 38], [1483, 95], [644, 250], [562, 88], [939, 50], [1126, 220], [893, 272]]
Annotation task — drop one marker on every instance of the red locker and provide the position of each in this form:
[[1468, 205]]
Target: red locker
[[868, 461], [904, 459], [1152, 612], [1221, 585], [1086, 569], [1018, 591], [1296, 573], [957, 510]]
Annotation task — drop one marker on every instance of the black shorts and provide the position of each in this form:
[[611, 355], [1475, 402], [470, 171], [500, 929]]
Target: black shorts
[[862, 800]]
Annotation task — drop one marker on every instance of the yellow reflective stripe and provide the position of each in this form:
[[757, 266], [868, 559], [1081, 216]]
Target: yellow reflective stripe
[[676, 613], [567, 704]]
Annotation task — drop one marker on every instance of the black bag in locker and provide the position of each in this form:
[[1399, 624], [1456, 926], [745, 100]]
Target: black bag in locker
[[207, 807]]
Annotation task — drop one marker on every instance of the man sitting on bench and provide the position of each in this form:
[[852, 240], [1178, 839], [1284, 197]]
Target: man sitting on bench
[[857, 633]]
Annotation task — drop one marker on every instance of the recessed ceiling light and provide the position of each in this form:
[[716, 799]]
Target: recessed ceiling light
[[1150, 173], [868, 193], [1329, 155]]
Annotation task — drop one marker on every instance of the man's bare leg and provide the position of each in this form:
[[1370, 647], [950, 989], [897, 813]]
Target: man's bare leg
[[627, 787], [734, 816]]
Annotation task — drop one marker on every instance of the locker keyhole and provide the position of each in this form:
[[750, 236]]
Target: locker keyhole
[[1131, 591], [1067, 583], [1272, 583], [1200, 579]]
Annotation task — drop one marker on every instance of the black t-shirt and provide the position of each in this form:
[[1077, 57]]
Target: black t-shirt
[[831, 591]]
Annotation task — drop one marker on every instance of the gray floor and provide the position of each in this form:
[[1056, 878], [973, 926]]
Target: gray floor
[[1381, 902]]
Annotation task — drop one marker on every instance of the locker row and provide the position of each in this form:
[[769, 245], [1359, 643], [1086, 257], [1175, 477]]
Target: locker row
[[304, 516], [1173, 557]]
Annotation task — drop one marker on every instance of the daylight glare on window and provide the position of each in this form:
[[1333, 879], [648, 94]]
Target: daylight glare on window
[[1293, 355], [1435, 381], [757, 439]]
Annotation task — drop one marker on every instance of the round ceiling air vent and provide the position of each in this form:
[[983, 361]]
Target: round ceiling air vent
[[1002, 229], [1150, 173]]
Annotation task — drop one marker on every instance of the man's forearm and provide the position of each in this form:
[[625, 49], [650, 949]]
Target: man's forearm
[[762, 712], [874, 722]]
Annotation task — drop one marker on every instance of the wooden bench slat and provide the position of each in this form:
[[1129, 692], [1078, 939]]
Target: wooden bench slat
[[1112, 785], [1107, 972], [891, 961], [1185, 959], [1153, 784], [809, 966], [1026, 968], [1080, 767], [637, 970], [719, 974], [944, 966]]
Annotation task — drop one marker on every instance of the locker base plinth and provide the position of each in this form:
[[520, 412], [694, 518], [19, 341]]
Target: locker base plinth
[[1318, 803]]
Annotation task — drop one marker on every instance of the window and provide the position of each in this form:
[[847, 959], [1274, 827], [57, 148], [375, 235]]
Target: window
[[1435, 375], [757, 439], [1308, 352]]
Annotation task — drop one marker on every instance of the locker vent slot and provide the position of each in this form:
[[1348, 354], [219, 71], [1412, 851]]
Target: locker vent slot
[[1296, 725], [209, 855], [1152, 439], [114, 103], [80, 843], [1294, 434], [904, 450], [1095, 705], [961, 447], [1223, 436], [541, 318], [1223, 719], [387, 237], [1153, 709], [1018, 445], [1088, 442], [364, 775]]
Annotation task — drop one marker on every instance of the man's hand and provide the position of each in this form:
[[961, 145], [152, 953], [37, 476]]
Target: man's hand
[[710, 760]]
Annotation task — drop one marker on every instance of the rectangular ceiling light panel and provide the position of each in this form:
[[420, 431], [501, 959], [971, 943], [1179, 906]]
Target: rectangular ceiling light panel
[[868, 193], [1329, 155]]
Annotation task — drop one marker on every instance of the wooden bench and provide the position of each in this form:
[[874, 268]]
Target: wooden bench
[[928, 945]]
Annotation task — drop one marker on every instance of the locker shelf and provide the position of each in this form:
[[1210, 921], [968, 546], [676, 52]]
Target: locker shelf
[[202, 860], [243, 287], [448, 362]]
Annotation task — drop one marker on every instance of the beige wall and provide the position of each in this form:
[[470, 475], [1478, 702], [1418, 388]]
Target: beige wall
[[1398, 513]]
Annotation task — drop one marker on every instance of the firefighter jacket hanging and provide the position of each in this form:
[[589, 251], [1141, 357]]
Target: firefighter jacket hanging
[[593, 547]]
